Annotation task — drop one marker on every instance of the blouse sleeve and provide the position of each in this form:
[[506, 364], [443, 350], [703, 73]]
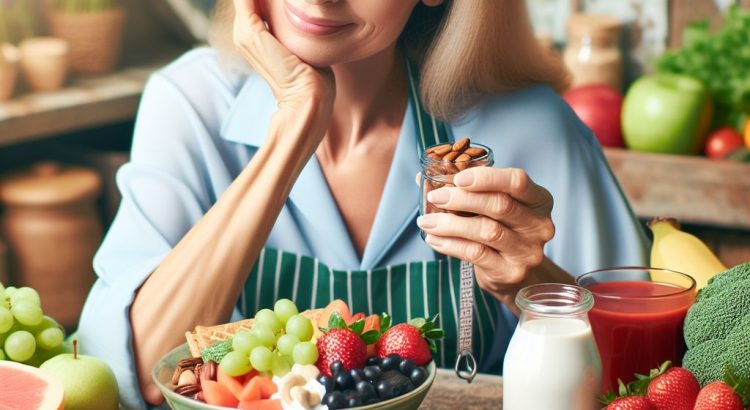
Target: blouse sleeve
[[164, 192]]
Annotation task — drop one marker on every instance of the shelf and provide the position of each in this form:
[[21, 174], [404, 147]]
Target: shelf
[[695, 190]]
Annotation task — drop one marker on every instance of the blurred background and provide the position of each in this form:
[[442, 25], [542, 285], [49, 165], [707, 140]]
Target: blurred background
[[664, 85]]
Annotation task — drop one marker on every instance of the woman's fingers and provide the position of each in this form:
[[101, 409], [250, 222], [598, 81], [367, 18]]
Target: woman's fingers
[[470, 251], [512, 181], [482, 230]]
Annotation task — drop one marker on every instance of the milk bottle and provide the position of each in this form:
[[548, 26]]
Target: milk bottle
[[552, 362]]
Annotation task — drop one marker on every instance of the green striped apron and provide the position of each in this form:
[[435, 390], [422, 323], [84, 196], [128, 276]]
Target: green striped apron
[[405, 291]]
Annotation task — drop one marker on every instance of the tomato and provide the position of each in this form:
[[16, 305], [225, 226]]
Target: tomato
[[747, 132], [723, 141]]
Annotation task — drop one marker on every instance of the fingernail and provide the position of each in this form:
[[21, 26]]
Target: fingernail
[[434, 240], [465, 178], [439, 196], [426, 222]]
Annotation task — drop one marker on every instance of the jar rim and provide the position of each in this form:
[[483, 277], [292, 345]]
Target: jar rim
[[555, 299], [426, 160]]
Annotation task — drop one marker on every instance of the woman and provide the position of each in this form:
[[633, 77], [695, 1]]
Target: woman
[[296, 179]]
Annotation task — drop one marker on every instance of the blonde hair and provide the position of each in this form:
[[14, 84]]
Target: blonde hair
[[467, 50]]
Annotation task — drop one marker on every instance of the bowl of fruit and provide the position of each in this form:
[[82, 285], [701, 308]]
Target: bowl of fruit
[[315, 359]]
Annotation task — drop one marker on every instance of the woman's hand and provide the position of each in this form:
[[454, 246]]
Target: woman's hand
[[506, 239], [292, 80]]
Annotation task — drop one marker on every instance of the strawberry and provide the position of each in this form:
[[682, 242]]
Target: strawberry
[[344, 343], [732, 393], [414, 340], [631, 403], [672, 388]]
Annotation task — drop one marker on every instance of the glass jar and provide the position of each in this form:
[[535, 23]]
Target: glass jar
[[438, 169], [592, 53], [552, 361]]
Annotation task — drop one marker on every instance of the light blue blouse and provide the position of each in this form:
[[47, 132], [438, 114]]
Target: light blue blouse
[[199, 124]]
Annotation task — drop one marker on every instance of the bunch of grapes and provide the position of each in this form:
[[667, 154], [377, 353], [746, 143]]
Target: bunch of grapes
[[26, 334], [279, 338]]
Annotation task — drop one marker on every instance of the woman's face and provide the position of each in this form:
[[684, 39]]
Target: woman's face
[[328, 32]]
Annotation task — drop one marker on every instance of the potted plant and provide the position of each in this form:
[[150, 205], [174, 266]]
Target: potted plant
[[93, 29]]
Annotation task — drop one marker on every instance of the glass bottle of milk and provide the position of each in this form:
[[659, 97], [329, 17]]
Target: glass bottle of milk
[[552, 362]]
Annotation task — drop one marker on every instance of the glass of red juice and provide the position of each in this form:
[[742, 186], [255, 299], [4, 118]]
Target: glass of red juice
[[637, 319]]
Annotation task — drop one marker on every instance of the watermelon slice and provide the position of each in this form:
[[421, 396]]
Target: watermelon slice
[[26, 387]]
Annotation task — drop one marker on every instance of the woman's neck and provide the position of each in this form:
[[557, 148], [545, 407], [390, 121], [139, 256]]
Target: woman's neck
[[370, 94]]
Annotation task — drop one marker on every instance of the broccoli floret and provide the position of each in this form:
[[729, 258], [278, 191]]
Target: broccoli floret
[[217, 351], [717, 327], [703, 361], [716, 316]]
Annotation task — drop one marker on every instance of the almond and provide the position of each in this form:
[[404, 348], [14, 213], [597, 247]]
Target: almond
[[461, 145], [475, 152]]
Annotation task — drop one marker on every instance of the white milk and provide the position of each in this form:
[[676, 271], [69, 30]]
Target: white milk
[[551, 364]]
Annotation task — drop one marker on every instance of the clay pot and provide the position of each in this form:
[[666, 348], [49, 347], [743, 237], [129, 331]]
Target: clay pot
[[9, 57], [52, 230], [44, 62], [95, 38]]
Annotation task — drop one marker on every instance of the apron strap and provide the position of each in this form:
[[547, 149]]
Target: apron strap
[[429, 130]]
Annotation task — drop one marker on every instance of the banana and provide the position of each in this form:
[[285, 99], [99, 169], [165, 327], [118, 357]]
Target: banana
[[680, 251]]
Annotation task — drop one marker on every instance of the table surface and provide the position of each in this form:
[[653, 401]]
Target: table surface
[[451, 393]]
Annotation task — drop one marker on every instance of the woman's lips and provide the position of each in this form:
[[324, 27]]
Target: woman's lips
[[312, 25]]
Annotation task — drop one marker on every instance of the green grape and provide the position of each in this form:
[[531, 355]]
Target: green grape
[[264, 335], [286, 344], [261, 358], [20, 346], [245, 342], [305, 353], [25, 293], [9, 291], [6, 319], [266, 317], [46, 323], [2, 355], [27, 313], [300, 326], [284, 309], [235, 364], [280, 366], [49, 338]]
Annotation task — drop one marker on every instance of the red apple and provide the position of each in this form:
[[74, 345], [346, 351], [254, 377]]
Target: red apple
[[599, 107], [723, 141]]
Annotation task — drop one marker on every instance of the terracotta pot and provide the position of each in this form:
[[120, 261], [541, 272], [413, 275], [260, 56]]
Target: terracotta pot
[[9, 57], [52, 231], [44, 62], [95, 38]]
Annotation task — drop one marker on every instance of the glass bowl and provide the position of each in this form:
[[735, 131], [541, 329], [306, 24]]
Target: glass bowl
[[162, 375]]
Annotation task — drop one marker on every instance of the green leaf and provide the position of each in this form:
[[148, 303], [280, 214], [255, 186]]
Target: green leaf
[[427, 327], [435, 334], [358, 326], [607, 398], [622, 388], [740, 385], [433, 345], [418, 322], [385, 322], [370, 336], [336, 321]]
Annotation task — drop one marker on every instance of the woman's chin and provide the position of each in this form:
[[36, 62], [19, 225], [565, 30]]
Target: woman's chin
[[314, 54]]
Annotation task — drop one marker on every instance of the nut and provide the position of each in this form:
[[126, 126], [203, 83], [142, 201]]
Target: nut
[[309, 372], [475, 152], [187, 377], [176, 375], [462, 161], [208, 371], [449, 157], [288, 382], [434, 156], [461, 145], [189, 363], [304, 397], [197, 370], [188, 389], [441, 149]]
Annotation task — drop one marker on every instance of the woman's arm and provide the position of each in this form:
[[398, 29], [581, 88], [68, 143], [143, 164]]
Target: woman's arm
[[199, 281]]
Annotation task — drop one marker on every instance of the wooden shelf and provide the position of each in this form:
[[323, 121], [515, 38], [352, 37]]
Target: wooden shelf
[[695, 190]]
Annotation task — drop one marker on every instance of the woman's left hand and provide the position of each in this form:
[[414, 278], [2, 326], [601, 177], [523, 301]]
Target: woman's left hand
[[505, 241]]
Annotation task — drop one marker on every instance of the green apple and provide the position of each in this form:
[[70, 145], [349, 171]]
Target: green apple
[[668, 113], [88, 382]]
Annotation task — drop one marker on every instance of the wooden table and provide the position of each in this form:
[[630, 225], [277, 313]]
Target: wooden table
[[451, 393]]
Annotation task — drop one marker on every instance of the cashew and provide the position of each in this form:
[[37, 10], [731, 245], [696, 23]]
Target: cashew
[[304, 397], [187, 377], [309, 372], [289, 382]]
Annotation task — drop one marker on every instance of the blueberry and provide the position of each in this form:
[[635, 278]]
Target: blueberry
[[385, 390], [366, 390], [418, 375], [373, 361], [406, 366], [336, 367], [357, 375], [373, 373], [390, 362], [327, 382], [355, 401], [336, 400], [344, 381], [399, 383]]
